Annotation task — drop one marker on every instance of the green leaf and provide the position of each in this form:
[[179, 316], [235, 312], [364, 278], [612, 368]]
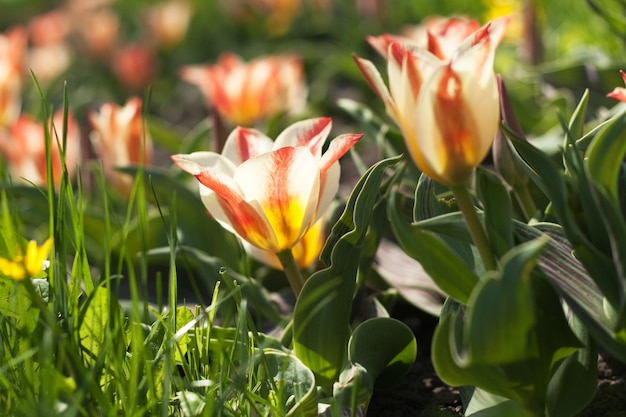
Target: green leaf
[[102, 316], [295, 393], [572, 281], [574, 384], [388, 358], [322, 312], [485, 404], [450, 358], [443, 265], [605, 154], [498, 213], [501, 312]]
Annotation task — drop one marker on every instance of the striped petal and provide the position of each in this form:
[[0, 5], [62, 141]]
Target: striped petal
[[375, 80], [243, 144], [285, 183], [310, 133]]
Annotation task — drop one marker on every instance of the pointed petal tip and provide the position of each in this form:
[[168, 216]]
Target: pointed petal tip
[[186, 164]]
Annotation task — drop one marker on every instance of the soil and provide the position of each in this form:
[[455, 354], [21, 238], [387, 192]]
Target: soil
[[422, 394]]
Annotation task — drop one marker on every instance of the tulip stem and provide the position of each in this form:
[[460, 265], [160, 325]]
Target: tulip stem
[[526, 201], [294, 276], [479, 237]]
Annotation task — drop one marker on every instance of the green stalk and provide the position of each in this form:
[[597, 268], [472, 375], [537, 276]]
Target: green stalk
[[464, 201], [526, 201], [294, 276]]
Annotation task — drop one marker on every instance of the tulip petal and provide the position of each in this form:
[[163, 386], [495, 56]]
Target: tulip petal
[[375, 80], [285, 183], [244, 218], [196, 162], [310, 133], [243, 144], [338, 148]]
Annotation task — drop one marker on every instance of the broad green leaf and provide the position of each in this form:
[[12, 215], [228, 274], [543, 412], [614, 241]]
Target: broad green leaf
[[450, 358], [501, 311], [295, 393], [443, 265], [485, 404], [101, 318], [574, 384], [388, 358], [15, 302], [435, 203], [322, 312]]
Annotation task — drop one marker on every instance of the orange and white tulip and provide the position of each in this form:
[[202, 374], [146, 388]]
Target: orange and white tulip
[[270, 193], [439, 35], [619, 93], [167, 22], [119, 138], [13, 45], [24, 146], [247, 93], [447, 109]]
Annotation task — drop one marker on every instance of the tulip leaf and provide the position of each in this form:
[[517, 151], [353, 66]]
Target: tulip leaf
[[572, 281], [444, 266], [575, 128], [435, 204], [485, 404], [322, 312], [450, 358], [388, 358], [574, 383], [498, 213], [501, 311], [543, 171]]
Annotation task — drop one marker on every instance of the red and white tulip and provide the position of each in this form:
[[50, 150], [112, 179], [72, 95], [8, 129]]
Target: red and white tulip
[[270, 193], [119, 139], [247, 93], [13, 46], [24, 146], [447, 109]]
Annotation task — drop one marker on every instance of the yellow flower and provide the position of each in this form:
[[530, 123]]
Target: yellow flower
[[26, 265]]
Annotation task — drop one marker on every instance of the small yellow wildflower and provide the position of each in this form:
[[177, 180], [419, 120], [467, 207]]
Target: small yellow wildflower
[[26, 265]]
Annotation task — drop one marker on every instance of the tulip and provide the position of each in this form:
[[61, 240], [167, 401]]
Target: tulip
[[119, 139], [168, 22], [619, 93], [247, 93], [12, 63], [447, 109], [270, 193], [439, 35], [134, 66], [24, 146]]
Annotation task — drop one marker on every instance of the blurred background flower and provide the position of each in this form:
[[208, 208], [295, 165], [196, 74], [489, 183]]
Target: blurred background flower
[[246, 93], [23, 145], [119, 139]]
